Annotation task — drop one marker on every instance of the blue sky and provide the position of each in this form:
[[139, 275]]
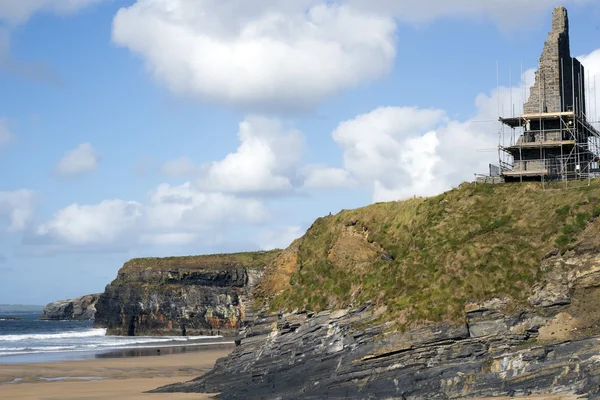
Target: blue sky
[[176, 127]]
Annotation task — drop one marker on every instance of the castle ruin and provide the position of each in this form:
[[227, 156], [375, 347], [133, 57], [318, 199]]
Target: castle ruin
[[552, 139]]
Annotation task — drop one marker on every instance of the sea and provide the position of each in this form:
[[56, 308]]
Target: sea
[[30, 340]]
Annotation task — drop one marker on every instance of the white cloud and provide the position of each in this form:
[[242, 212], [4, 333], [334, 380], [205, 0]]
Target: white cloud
[[280, 237], [394, 149], [173, 215], [98, 224], [19, 11], [79, 161], [265, 54], [323, 177], [5, 134], [285, 55], [265, 161], [185, 207], [16, 208]]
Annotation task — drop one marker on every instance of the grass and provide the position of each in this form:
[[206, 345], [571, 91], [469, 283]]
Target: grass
[[430, 256], [213, 261]]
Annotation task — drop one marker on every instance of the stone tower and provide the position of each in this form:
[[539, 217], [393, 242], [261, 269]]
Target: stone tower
[[559, 81], [552, 139]]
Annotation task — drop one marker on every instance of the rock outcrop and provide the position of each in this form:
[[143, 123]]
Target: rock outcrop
[[176, 296], [82, 308], [550, 345]]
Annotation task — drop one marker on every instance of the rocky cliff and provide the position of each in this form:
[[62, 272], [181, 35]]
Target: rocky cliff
[[202, 295], [483, 291], [81, 308], [551, 346]]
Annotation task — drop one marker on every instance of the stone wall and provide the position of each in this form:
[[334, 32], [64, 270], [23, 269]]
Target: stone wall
[[555, 90]]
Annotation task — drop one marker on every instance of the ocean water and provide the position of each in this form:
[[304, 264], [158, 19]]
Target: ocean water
[[31, 340]]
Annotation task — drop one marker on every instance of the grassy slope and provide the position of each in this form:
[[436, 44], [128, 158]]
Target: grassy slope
[[425, 258]]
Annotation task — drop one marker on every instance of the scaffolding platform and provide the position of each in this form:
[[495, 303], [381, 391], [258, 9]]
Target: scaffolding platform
[[546, 145], [525, 173], [521, 120]]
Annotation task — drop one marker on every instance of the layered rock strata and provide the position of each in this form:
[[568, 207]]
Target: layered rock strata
[[81, 308], [187, 296]]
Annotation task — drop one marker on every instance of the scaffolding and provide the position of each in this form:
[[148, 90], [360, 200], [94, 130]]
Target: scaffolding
[[550, 147]]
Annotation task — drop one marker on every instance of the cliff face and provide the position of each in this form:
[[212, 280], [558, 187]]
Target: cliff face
[[550, 345], [81, 308], [191, 296], [480, 292]]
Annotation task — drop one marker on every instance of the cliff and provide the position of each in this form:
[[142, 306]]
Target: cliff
[[81, 308], [483, 291], [196, 295]]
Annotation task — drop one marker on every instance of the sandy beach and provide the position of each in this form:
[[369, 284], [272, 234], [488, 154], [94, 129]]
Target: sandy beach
[[106, 378]]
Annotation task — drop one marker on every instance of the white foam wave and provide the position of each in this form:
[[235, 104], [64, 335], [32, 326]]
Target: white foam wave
[[42, 348], [55, 349], [50, 336]]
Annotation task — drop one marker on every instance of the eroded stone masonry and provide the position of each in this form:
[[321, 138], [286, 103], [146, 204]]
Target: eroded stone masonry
[[559, 81]]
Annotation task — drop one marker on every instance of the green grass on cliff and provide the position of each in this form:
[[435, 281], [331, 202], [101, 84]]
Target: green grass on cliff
[[426, 258], [213, 261]]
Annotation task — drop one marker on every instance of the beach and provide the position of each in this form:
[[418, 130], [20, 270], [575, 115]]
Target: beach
[[114, 376]]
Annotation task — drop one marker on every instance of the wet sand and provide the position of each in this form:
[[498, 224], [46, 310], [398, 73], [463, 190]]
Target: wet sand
[[107, 378]]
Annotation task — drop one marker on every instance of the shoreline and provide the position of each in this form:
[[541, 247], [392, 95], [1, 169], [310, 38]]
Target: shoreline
[[127, 376], [117, 352]]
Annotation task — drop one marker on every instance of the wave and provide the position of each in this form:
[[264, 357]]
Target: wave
[[58, 349], [43, 348], [50, 336]]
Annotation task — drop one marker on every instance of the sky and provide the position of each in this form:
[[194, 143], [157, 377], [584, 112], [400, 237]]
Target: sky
[[151, 128]]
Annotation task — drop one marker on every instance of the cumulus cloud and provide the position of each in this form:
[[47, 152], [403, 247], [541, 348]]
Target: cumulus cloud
[[99, 224], [16, 209], [284, 55], [19, 11], [263, 55], [394, 148], [79, 161], [172, 215], [5, 133], [186, 207], [265, 161]]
